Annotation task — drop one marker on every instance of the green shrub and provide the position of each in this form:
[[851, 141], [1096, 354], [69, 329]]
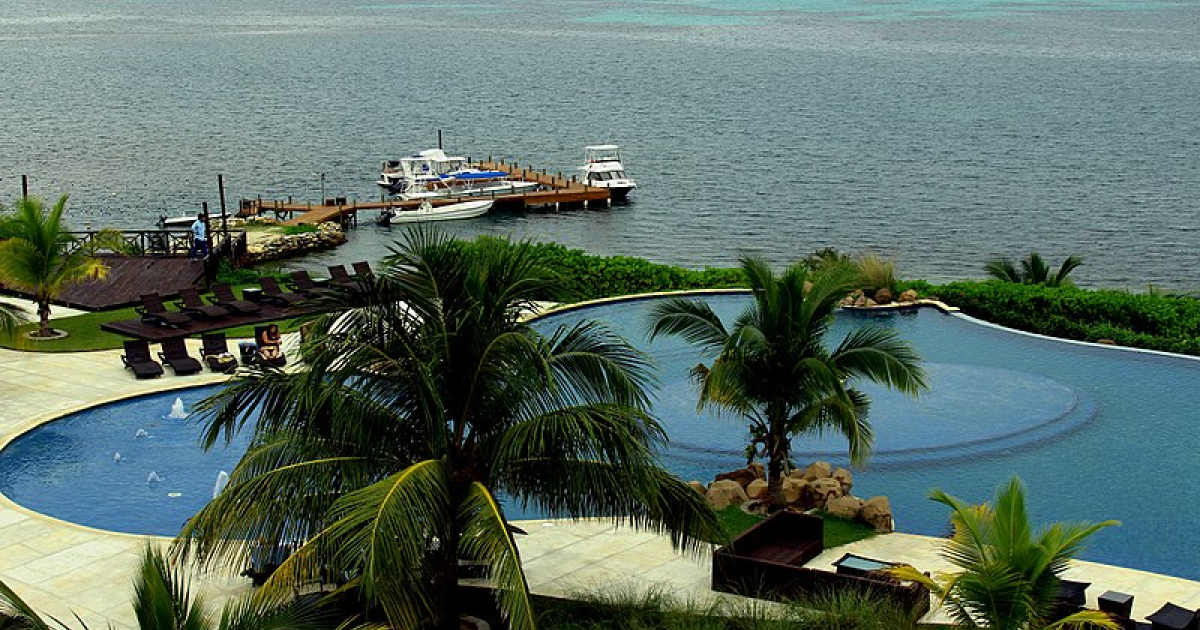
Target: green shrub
[[289, 230], [226, 274], [1156, 322]]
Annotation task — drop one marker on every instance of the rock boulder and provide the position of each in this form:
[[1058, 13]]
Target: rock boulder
[[845, 507], [724, 493], [877, 512]]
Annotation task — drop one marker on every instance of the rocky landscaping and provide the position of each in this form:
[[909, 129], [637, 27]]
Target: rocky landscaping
[[819, 486]]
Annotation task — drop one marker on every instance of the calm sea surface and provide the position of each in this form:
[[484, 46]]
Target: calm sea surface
[[940, 133]]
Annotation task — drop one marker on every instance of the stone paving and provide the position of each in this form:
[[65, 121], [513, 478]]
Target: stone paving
[[63, 569]]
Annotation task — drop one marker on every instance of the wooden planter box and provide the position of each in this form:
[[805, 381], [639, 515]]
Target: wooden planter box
[[767, 560]]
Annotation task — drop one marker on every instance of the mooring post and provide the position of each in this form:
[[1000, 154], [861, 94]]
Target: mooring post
[[24, 186]]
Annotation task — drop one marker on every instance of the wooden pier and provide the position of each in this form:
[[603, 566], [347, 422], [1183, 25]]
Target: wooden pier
[[557, 190]]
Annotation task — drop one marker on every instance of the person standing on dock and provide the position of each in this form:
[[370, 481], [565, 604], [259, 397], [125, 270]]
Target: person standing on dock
[[199, 238]]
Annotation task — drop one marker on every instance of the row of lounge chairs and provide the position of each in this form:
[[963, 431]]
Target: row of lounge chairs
[[214, 350], [224, 302]]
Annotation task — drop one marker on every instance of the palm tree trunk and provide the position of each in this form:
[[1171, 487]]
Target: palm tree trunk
[[44, 318], [445, 582], [778, 449]]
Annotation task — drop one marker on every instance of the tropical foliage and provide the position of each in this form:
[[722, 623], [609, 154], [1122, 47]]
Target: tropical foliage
[[1010, 571], [388, 456], [11, 316], [876, 272], [163, 600], [1034, 270], [39, 257], [1168, 323], [772, 367]]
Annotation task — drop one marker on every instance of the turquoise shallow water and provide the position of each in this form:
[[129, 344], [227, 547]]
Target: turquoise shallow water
[[1095, 432], [941, 133]]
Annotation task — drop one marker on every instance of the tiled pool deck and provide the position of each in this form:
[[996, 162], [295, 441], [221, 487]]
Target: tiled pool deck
[[60, 568]]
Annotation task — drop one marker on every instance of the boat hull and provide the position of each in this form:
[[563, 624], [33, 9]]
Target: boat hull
[[448, 212]]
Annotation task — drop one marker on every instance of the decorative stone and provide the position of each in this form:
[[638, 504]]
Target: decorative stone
[[877, 512], [757, 489], [760, 472], [1107, 342], [742, 476], [845, 478], [845, 507], [847, 301], [818, 470], [907, 296], [869, 303], [724, 493], [883, 296], [698, 487], [794, 490], [796, 474], [825, 490], [860, 301]]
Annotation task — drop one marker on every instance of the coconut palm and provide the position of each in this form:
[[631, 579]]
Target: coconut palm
[[39, 257], [423, 411], [11, 316], [163, 601], [773, 369], [1010, 572], [1034, 270]]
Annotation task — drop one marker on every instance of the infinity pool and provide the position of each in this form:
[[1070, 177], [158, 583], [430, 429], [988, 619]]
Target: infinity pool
[[1095, 433]]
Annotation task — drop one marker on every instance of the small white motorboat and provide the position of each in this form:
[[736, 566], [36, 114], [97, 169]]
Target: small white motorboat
[[429, 212], [602, 168]]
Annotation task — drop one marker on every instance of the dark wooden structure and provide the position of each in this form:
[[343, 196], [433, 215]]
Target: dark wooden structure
[[130, 277], [767, 562]]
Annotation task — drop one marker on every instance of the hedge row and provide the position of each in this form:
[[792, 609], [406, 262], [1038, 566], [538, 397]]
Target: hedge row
[[1169, 323]]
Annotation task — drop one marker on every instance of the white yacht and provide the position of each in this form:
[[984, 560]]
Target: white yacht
[[602, 168], [429, 212], [431, 174]]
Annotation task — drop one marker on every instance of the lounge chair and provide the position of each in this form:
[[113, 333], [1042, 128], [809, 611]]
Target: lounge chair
[[153, 311], [191, 303], [340, 277], [362, 271], [270, 349], [216, 353], [272, 292], [223, 296], [1172, 617], [175, 354], [137, 358], [303, 283]]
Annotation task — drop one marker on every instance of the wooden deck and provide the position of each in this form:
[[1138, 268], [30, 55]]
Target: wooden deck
[[558, 190], [129, 277]]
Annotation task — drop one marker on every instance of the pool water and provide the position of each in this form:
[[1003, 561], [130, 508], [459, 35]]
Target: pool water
[[1094, 432]]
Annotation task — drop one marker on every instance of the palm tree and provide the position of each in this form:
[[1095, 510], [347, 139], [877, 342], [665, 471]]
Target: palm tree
[[39, 257], [163, 601], [386, 456], [1034, 270], [773, 369], [1010, 573], [11, 316]]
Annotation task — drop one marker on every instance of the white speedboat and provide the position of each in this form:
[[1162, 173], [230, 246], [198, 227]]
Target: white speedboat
[[431, 174], [429, 212], [602, 168]]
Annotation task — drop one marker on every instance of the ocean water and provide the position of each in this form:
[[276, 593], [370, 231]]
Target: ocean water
[[941, 133]]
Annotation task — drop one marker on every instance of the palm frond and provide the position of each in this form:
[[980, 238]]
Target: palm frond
[[485, 536], [879, 355], [1003, 268], [691, 319], [20, 615]]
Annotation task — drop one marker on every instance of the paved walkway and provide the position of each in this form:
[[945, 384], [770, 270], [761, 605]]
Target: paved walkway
[[61, 568]]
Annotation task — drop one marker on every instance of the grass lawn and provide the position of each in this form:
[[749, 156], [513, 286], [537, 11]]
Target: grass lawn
[[838, 531], [85, 334]]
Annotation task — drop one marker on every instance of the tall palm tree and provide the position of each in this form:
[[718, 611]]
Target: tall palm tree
[[773, 369], [1010, 572], [386, 456], [1034, 270], [163, 601], [39, 257]]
